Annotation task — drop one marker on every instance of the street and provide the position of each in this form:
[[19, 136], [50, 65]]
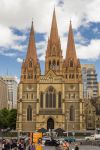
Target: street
[[72, 148]]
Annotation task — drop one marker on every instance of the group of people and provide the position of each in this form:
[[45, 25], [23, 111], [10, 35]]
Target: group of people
[[13, 145], [20, 145]]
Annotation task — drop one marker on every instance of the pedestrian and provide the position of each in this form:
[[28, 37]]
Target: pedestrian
[[32, 146], [3, 144], [66, 145], [14, 145], [21, 145], [76, 147], [7, 146]]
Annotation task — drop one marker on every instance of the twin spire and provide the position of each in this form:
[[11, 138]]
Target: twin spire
[[31, 52], [70, 53]]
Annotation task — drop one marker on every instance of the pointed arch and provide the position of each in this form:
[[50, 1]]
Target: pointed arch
[[50, 97], [49, 64], [30, 63], [41, 100], [72, 113], [59, 100], [29, 113], [71, 64]]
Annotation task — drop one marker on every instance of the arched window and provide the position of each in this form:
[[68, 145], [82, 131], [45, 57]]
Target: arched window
[[29, 113], [59, 100], [51, 98], [54, 100], [47, 99], [24, 76], [32, 96], [71, 63], [54, 64], [30, 64], [72, 76], [30, 76], [49, 64], [77, 76], [41, 100], [27, 95], [72, 113], [58, 63]]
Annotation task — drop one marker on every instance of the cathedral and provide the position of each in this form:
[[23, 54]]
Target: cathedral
[[55, 99]]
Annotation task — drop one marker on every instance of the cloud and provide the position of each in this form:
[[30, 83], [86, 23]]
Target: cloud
[[91, 51], [9, 40], [20, 60], [18, 14]]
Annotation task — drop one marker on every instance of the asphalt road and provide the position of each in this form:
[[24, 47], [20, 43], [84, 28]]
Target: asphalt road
[[72, 148]]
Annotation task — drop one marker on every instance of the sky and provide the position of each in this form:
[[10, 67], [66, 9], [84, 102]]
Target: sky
[[15, 22]]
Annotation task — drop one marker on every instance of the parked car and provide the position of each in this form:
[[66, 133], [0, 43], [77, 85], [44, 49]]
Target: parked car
[[69, 139], [90, 138], [93, 137]]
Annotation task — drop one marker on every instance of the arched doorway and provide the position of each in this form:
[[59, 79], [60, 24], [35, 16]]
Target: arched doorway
[[50, 124]]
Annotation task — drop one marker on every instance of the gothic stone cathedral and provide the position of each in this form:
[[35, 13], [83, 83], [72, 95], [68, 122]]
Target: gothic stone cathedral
[[53, 100]]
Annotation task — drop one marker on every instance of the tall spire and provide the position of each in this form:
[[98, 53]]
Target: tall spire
[[71, 52], [54, 30], [31, 51]]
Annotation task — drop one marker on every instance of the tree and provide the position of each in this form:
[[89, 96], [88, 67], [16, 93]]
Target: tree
[[8, 118], [12, 118], [4, 118]]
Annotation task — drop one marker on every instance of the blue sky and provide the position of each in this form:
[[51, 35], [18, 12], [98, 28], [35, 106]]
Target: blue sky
[[15, 22]]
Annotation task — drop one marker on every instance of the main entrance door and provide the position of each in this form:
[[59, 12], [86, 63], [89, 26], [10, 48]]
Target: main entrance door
[[50, 124]]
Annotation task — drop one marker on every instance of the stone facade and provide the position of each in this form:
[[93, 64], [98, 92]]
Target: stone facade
[[55, 99], [92, 113]]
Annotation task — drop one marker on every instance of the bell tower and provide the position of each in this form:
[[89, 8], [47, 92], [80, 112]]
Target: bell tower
[[71, 66], [30, 66], [54, 52]]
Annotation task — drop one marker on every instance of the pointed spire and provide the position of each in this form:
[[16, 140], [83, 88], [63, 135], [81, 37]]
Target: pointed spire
[[54, 30], [31, 51], [71, 52]]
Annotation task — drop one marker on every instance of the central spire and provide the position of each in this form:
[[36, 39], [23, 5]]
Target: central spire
[[54, 30], [71, 52], [31, 52]]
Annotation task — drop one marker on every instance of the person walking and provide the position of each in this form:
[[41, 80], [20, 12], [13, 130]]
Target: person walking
[[32, 146], [7, 146], [21, 145]]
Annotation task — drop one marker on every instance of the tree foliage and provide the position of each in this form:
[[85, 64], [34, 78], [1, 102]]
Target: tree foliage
[[8, 118]]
